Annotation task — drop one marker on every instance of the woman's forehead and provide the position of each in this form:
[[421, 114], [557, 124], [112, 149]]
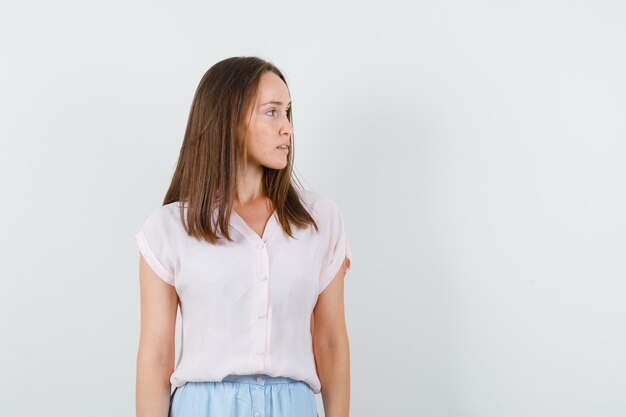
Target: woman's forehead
[[272, 90]]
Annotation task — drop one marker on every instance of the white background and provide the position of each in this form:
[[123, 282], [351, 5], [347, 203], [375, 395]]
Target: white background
[[476, 150]]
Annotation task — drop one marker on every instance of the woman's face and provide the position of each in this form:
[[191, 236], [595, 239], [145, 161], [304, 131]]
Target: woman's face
[[269, 126]]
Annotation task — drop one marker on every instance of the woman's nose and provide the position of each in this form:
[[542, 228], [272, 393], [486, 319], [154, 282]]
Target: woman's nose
[[287, 127]]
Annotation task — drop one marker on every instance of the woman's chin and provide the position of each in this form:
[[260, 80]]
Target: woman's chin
[[276, 165]]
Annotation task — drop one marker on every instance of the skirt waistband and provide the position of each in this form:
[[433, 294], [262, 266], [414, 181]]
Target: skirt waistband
[[259, 379]]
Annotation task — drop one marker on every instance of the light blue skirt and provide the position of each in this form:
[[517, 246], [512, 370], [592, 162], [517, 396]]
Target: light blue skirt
[[255, 395]]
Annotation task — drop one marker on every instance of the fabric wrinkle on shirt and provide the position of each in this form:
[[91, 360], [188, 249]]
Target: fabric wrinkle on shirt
[[246, 305]]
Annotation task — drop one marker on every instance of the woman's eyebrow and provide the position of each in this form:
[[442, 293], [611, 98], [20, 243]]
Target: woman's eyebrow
[[278, 103]]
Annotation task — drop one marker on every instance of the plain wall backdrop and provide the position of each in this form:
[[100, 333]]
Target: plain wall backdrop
[[476, 150]]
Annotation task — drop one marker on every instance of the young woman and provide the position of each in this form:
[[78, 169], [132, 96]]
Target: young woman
[[255, 263]]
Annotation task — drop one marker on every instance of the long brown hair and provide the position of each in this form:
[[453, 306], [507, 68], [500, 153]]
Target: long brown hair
[[214, 147]]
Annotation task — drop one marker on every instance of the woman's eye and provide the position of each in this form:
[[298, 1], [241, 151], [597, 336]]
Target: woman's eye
[[274, 110]]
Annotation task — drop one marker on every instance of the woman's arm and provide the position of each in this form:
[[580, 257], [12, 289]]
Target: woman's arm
[[155, 358], [331, 348]]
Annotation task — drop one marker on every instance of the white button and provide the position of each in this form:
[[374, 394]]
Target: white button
[[260, 246], [257, 413], [263, 277], [259, 378], [261, 315]]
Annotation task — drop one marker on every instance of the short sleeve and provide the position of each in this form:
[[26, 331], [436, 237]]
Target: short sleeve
[[337, 246], [156, 243]]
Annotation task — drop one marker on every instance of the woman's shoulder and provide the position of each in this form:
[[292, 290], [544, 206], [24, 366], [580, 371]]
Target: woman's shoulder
[[166, 216], [320, 203]]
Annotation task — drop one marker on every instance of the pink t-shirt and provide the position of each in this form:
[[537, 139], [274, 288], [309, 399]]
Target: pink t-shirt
[[246, 305]]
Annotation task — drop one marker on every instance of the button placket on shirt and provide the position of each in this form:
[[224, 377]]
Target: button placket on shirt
[[261, 295], [262, 298]]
